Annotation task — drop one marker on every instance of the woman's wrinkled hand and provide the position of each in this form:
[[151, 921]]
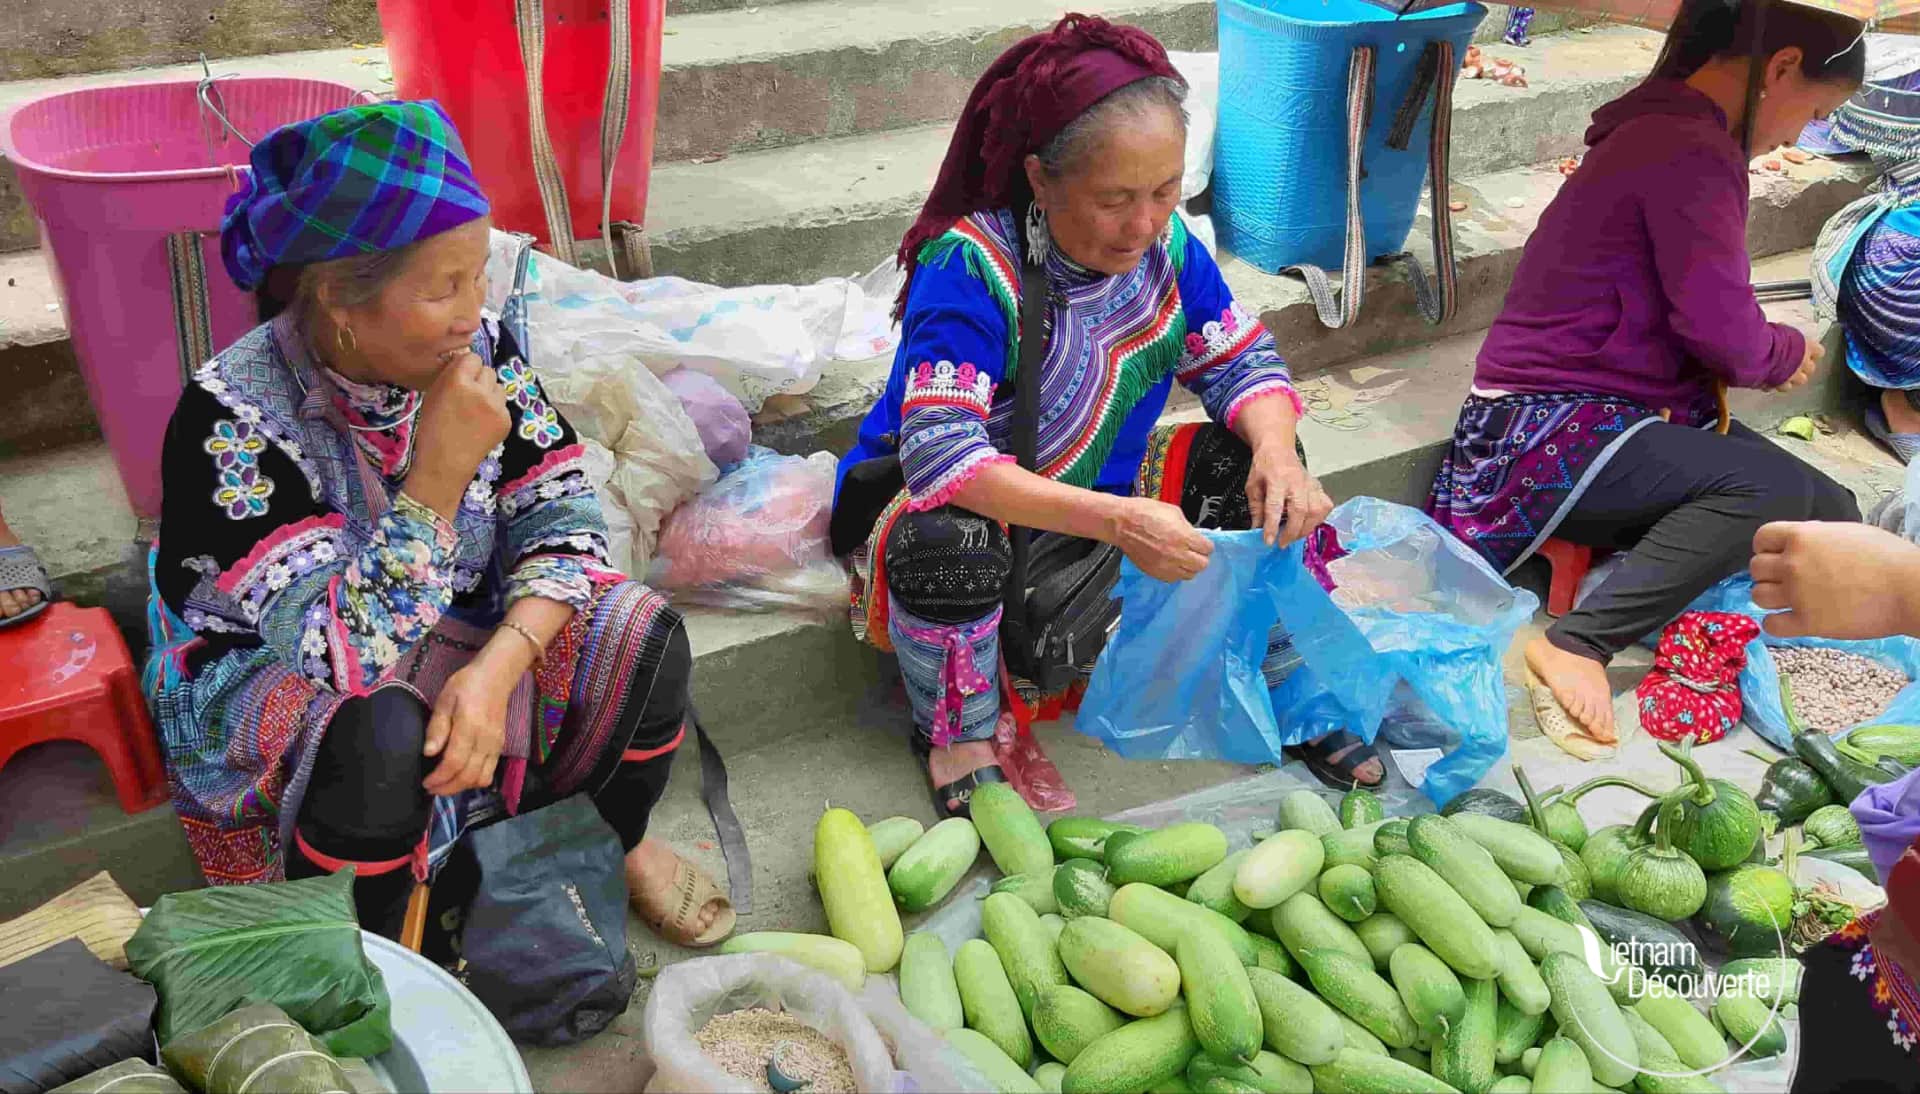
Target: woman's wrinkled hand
[[1157, 537], [462, 417], [1287, 502], [468, 729]]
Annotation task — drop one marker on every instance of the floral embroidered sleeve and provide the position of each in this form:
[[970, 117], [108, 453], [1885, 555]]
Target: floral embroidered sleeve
[[1230, 359], [954, 347], [553, 540], [249, 555]]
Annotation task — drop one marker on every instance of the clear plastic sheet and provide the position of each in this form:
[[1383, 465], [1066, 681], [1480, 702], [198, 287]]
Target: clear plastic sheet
[[888, 1050]]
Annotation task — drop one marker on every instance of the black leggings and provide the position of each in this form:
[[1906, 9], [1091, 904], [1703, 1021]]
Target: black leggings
[[1684, 504], [365, 802]]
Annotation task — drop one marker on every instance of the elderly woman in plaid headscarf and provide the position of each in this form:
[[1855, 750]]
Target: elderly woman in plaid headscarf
[[381, 599]]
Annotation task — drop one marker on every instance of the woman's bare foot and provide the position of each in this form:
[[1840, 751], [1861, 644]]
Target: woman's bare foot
[[14, 601], [1901, 415], [651, 869], [1580, 685], [958, 760]]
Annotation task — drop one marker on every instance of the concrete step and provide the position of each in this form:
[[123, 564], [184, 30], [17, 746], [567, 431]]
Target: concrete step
[[830, 68], [793, 214], [48, 38]]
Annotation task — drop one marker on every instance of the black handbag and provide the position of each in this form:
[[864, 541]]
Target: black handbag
[[1059, 604], [1059, 609]]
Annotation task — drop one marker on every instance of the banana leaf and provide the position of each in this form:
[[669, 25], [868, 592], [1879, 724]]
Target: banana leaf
[[295, 944], [255, 1050], [125, 1077]]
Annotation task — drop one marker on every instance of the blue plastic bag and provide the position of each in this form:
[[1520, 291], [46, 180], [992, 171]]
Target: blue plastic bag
[[1441, 619], [1760, 680], [1180, 679]]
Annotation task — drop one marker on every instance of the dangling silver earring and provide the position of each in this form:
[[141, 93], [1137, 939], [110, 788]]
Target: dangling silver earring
[[1039, 238]]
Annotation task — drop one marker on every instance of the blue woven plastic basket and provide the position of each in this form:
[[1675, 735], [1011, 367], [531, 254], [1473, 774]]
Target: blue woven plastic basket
[[1279, 168]]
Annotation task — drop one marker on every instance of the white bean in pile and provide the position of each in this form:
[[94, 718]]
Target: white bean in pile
[[1834, 690], [742, 1042]]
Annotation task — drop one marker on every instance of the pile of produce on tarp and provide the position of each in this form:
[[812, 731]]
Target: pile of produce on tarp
[[1269, 935]]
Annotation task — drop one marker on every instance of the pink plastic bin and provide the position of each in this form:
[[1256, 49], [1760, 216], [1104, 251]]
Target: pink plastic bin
[[110, 173]]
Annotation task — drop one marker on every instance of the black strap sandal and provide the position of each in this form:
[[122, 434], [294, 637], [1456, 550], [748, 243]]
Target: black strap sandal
[[1336, 758], [950, 800]]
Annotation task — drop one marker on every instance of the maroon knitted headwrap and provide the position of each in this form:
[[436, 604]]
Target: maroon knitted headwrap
[[1023, 100]]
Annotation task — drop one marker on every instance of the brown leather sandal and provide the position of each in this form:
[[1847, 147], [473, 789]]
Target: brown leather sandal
[[691, 892]]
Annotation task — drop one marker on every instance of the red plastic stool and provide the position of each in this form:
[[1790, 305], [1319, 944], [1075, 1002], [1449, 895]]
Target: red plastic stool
[[1570, 563], [67, 676]]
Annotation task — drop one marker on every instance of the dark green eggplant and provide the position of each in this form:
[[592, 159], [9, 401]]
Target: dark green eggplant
[[1791, 789], [1846, 778]]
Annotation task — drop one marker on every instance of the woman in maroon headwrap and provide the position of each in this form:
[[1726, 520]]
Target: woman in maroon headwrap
[[1070, 151]]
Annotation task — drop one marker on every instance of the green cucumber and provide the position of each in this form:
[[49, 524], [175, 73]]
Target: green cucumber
[[1054, 925], [1769, 979], [1269, 1073], [1355, 1072], [1214, 889], [1297, 1023], [1540, 934], [837, 958], [1036, 890], [926, 982], [1178, 852], [1026, 950], [1514, 1032], [1354, 989], [853, 889], [926, 872], [1005, 1075], [1121, 969], [1751, 1024], [1463, 1059], [1519, 980], [1511, 1084], [1347, 891], [1084, 837], [987, 998], [1358, 1038], [1690, 1033], [1524, 854], [1283, 865], [1391, 838], [1466, 866], [1010, 830], [1066, 1020], [1444, 921], [1530, 1061], [1172, 1084], [1360, 807], [1161, 917], [1558, 903], [1562, 1067], [892, 836], [1080, 887], [1350, 846], [1662, 1071], [1137, 1056], [1303, 923], [1049, 1074], [1382, 933], [1588, 1014], [1220, 1001], [1306, 811], [1429, 988], [1272, 956]]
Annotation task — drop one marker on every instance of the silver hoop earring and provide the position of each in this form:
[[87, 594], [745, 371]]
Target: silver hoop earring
[[1039, 238]]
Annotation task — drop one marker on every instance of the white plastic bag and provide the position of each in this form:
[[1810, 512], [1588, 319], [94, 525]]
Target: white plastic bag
[[756, 341], [687, 995], [644, 454], [1202, 73], [756, 540]]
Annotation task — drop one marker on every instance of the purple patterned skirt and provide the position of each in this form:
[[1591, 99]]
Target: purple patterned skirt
[[1519, 464]]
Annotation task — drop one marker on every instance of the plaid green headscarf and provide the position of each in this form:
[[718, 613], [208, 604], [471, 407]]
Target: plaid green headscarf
[[361, 179]]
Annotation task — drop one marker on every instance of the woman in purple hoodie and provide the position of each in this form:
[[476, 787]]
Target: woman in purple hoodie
[[1593, 404]]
